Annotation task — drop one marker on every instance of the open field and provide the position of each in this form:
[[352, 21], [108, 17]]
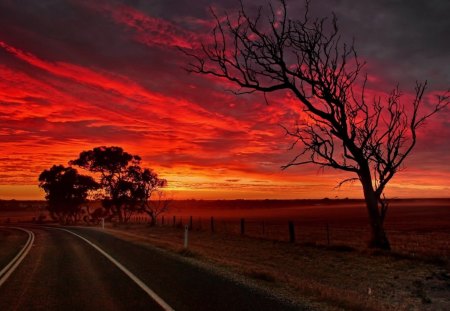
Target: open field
[[413, 226], [340, 275], [14, 211]]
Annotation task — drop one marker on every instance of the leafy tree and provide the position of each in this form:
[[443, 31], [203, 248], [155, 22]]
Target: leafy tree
[[307, 57], [126, 186], [65, 190]]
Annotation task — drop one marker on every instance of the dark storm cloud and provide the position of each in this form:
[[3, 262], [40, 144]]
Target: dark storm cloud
[[68, 31], [178, 9], [403, 41]]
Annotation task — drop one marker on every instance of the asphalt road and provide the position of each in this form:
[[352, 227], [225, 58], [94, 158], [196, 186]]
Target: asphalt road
[[11, 241], [63, 272]]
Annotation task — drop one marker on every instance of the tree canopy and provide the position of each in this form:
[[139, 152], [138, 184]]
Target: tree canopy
[[66, 190], [126, 186]]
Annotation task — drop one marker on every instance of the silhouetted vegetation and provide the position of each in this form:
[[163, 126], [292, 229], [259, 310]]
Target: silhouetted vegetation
[[126, 188], [66, 190], [341, 129], [123, 187], [157, 206]]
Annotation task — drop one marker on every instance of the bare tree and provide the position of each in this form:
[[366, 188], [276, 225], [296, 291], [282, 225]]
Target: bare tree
[[271, 52], [157, 206], [142, 185]]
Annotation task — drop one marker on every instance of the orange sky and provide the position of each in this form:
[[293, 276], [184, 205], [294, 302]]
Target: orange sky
[[109, 74]]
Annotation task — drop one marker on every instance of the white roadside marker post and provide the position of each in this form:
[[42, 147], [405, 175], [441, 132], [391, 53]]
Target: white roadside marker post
[[186, 231], [103, 223]]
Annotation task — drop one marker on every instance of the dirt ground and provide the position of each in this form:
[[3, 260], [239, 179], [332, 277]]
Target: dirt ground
[[327, 278]]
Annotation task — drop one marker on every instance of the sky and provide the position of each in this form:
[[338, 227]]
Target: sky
[[77, 74]]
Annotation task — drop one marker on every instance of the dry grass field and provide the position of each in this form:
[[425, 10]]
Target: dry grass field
[[415, 227], [13, 211]]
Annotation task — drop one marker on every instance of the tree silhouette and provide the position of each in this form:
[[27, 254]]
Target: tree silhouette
[[126, 186], [141, 184], [345, 130], [65, 190]]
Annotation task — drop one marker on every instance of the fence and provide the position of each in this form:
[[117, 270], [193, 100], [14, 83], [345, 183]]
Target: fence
[[405, 238], [431, 243]]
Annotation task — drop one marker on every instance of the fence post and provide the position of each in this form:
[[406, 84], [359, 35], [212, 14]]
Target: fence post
[[328, 235], [242, 226], [186, 232], [212, 224], [291, 232]]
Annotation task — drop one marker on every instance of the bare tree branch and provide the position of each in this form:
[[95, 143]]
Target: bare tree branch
[[269, 51]]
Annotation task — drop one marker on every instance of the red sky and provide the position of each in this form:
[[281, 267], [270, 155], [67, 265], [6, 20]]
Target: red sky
[[79, 74]]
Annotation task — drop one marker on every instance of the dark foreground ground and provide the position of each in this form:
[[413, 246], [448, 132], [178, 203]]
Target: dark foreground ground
[[341, 275], [334, 277], [62, 272]]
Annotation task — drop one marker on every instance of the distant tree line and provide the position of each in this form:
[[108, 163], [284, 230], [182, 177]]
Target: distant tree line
[[116, 179]]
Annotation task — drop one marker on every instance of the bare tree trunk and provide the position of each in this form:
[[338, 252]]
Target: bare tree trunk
[[152, 217], [119, 214], [152, 221], [378, 235]]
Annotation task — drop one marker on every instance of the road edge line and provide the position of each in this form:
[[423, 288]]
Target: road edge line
[[133, 277], [14, 263]]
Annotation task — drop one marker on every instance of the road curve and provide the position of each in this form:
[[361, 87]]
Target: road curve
[[12, 265], [11, 242], [183, 285], [62, 272], [133, 277], [65, 272]]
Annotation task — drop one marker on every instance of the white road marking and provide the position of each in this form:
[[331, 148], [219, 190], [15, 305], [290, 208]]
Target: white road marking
[[14, 263], [133, 277]]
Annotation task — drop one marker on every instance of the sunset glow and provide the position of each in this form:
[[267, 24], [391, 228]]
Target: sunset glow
[[80, 74]]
